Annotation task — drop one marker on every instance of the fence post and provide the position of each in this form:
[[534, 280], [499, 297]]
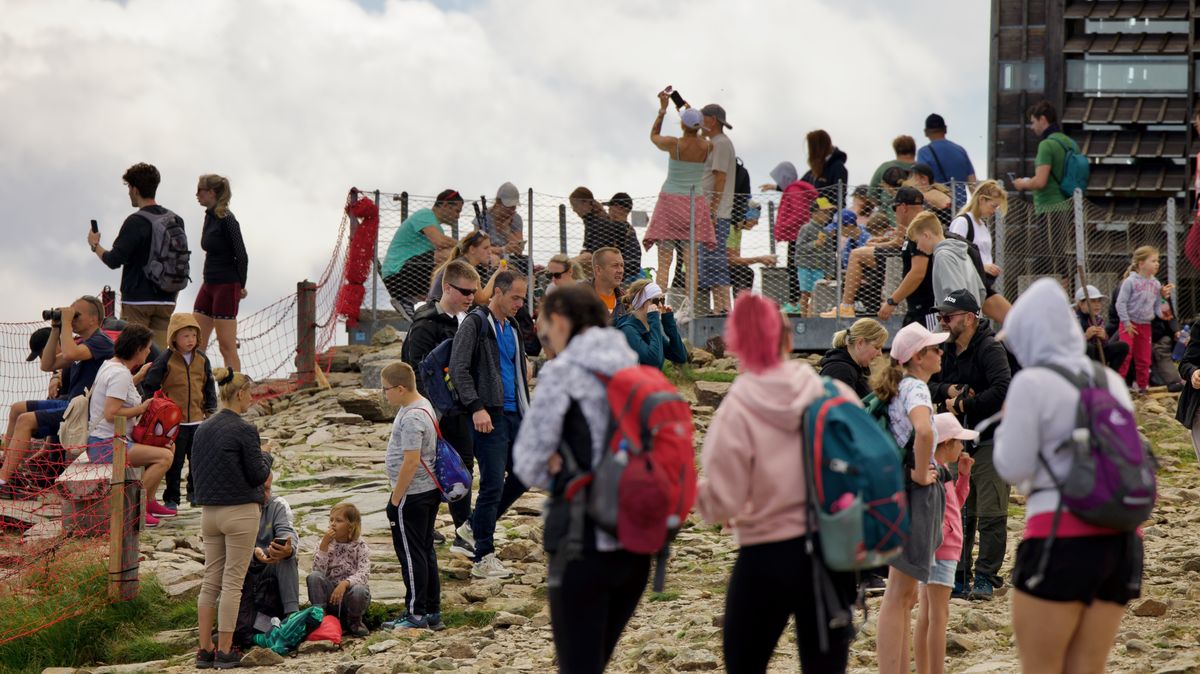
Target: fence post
[[691, 266], [1080, 249], [529, 259], [403, 206], [376, 272], [837, 253], [306, 333], [562, 228], [122, 560], [953, 197], [771, 225], [998, 250], [1172, 228]]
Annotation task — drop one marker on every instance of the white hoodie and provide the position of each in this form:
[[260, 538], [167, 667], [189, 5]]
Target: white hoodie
[[1039, 412]]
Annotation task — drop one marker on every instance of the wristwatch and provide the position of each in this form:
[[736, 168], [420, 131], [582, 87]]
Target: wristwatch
[[891, 302], [94, 246]]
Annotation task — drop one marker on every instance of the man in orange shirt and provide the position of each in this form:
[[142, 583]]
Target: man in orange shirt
[[608, 268]]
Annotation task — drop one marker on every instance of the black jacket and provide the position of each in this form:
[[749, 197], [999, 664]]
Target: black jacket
[[1189, 398], [833, 173], [225, 258], [228, 463], [130, 252], [431, 326], [983, 367], [838, 364]]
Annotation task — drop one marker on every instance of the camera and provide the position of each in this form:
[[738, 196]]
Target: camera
[[51, 314]]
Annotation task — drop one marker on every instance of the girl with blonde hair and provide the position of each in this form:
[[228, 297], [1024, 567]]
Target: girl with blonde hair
[[225, 265], [854, 349], [1140, 299], [987, 199]]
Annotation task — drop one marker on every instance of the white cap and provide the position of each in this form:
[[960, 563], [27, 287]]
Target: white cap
[[509, 195], [947, 427], [691, 118], [1093, 293]]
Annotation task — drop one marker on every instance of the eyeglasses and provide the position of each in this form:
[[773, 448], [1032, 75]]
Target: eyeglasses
[[465, 292], [556, 274], [946, 318], [388, 388]]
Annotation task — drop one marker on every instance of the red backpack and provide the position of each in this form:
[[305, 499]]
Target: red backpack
[[644, 486], [159, 424]]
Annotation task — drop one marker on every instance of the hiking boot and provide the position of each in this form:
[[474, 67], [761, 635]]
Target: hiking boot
[[842, 311], [360, 630], [204, 659], [461, 547], [960, 590], [435, 622], [490, 567], [438, 537], [982, 591], [464, 532], [227, 660]]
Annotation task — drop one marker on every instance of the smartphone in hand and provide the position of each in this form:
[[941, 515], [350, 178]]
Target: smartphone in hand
[[95, 227], [677, 100]]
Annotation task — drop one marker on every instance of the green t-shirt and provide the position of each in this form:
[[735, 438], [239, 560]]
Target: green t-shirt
[[1050, 151], [734, 240], [409, 242], [877, 178]]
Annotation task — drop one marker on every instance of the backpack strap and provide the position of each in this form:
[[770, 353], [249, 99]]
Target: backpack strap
[[1067, 149], [970, 227], [421, 458], [938, 161]]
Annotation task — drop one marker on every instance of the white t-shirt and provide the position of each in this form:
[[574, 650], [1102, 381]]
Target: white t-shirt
[[113, 380], [913, 393], [983, 237], [722, 158]]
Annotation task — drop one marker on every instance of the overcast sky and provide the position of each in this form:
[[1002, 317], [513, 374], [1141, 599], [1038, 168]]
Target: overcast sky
[[298, 100]]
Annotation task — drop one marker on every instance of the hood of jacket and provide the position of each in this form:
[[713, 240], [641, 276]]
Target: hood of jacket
[[779, 395], [602, 350], [956, 247], [784, 174], [837, 158], [836, 355], [1041, 328], [179, 322]]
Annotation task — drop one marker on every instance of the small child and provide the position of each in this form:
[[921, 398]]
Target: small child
[[340, 569], [1088, 309], [814, 252], [184, 374], [416, 497], [1139, 301], [934, 610]]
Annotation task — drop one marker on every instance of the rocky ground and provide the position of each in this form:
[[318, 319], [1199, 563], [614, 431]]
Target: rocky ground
[[327, 454]]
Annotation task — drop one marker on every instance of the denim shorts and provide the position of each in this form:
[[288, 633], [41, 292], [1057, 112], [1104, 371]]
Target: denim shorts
[[100, 450], [942, 572], [48, 413]]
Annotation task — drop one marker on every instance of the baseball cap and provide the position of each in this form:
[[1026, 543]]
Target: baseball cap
[[909, 196], [947, 427], [960, 300], [691, 118], [911, 339], [509, 195], [621, 200], [1093, 293], [849, 218], [935, 122], [923, 169], [823, 204], [37, 343], [714, 110]]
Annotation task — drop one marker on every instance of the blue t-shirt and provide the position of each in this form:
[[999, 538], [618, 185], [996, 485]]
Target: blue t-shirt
[[506, 340], [409, 242], [82, 374], [951, 163]]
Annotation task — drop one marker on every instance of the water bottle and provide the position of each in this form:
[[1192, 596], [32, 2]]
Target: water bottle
[[1185, 336]]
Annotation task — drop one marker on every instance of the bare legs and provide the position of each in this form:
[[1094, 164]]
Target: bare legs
[[21, 426], [1067, 637], [156, 461], [226, 338], [895, 616], [929, 643]]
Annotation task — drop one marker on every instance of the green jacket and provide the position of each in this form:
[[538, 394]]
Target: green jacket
[[656, 344]]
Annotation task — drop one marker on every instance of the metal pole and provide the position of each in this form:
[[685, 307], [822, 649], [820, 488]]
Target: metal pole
[[998, 251], [771, 225], [1080, 249], [404, 205], [562, 229], [529, 259], [1173, 253], [376, 272], [837, 255], [691, 266]]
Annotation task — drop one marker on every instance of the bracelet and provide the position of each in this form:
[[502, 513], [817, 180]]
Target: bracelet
[[94, 246]]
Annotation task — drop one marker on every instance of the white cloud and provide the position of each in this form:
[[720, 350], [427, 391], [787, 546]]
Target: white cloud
[[297, 101]]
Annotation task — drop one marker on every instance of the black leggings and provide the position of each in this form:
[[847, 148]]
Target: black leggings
[[598, 595], [770, 582], [183, 450]]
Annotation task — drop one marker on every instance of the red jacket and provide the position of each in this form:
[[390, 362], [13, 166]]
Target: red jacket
[[795, 208]]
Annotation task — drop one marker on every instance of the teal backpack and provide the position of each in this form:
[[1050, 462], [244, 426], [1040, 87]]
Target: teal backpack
[[287, 636], [1076, 169]]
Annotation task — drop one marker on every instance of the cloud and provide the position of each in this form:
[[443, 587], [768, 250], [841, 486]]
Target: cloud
[[298, 101]]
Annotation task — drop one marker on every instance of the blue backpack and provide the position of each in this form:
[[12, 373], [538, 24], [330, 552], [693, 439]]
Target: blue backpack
[[434, 374], [449, 473], [1076, 170], [855, 484]]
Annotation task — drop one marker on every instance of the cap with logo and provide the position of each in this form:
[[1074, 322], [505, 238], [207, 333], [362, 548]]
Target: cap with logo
[[911, 339], [960, 300]]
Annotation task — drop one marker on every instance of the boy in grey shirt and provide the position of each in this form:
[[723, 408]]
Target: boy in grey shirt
[[416, 496]]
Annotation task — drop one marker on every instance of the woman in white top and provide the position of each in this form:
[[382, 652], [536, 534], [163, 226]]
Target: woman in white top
[[971, 224], [114, 394]]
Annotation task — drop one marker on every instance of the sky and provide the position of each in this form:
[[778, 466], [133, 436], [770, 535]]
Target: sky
[[298, 100]]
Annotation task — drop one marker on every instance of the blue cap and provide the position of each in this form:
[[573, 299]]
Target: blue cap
[[848, 217]]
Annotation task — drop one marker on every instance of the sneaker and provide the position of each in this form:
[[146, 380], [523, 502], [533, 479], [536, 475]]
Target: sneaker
[[464, 532], [435, 622], [359, 629], [846, 311], [463, 548], [438, 537], [982, 590], [408, 622], [791, 309], [151, 520], [158, 510], [204, 659], [227, 660], [490, 567], [1175, 387], [960, 590], [171, 505], [394, 622], [875, 586]]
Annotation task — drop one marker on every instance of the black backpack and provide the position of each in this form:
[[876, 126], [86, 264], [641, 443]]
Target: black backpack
[[741, 191]]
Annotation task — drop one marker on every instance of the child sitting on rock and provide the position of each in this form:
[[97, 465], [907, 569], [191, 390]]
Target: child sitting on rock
[[338, 581]]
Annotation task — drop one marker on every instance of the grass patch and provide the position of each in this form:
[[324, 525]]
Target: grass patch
[[457, 618], [110, 633], [291, 485], [1015, 510], [669, 595], [714, 375]]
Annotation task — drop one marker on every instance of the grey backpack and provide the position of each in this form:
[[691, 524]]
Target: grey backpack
[[169, 263]]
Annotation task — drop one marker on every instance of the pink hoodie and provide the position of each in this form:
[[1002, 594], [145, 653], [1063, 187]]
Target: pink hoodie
[[752, 461], [952, 524]]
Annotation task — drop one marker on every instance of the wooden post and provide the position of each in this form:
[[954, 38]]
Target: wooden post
[[562, 228], [116, 507], [306, 333]]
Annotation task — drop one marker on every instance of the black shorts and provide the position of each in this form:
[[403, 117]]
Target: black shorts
[[1085, 569]]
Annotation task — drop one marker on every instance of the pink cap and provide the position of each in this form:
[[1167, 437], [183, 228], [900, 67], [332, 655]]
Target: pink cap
[[947, 427], [911, 339]]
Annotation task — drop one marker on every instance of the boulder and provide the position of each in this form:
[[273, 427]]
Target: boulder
[[372, 370], [307, 647], [701, 357], [694, 660], [385, 336], [383, 646], [506, 619], [367, 404], [711, 393], [346, 418], [261, 657], [1150, 608]]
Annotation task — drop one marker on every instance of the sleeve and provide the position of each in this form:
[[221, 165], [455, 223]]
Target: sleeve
[[255, 463], [465, 343], [281, 524], [722, 154], [840, 371], [916, 396], [1045, 154], [154, 376], [963, 486], [1123, 299], [421, 341], [541, 430], [727, 459], [233, 230], [1018, 442], [321, 563], [1191, 356], [412, 432], [924, 156], [674, 349], [967, 161], [362, 564], [987, 402], [210, 388], [959, 226], [128, 239]]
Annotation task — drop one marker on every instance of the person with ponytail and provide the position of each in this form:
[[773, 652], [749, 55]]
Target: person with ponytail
[[754, 483], [649, 325], [231, 466], [225, 265], [854, 349], [476, 250]]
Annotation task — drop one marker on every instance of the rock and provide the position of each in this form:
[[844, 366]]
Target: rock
[[368, 404], [319, 437], [261, 657], [347, 418], [383, 646], [724, 364], [165, 545], [371, 370], [1192, 564], [1179, 666], [1150, 608], [347, 667], [711, 393], [373, 669], [442, 665], [309, 647], [385, 335], [135, 668], [477, 592], [958, 644], [61, 670], [716, 346], [1137, 646], [718, 620], [459, 650], [506, 619], [516, 551], [694, 660], [978, 621]]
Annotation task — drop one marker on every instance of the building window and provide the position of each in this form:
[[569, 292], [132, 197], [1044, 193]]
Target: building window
[[1134, 26], [1127, 74], [1022, 76]]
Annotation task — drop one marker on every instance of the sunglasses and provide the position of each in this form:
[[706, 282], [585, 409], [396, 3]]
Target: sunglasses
[[946, 318], [465, 292], [556, 274]]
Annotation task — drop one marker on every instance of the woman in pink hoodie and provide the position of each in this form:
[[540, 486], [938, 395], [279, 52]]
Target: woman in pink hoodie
[[755, 483]]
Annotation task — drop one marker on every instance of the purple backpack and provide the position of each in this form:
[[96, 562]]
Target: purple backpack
[[1111, 482]]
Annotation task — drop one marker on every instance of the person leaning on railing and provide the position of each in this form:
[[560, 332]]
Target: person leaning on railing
[[741, 274], [409, 264]]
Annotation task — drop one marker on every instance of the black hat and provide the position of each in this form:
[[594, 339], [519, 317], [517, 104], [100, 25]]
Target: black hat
[[960, 300], [935, 122], [621, 200], [37, 343], [910, 196]]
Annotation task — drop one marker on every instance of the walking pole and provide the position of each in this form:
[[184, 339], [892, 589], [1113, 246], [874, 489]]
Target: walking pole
[[1091, 319]]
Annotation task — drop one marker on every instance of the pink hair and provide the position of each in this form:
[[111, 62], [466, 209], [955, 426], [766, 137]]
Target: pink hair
[[753, 331]]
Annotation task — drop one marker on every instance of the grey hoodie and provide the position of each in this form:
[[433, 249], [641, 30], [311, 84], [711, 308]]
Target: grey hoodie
[[567, 377], [784, 174], [954, 270], [1039, 411]]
